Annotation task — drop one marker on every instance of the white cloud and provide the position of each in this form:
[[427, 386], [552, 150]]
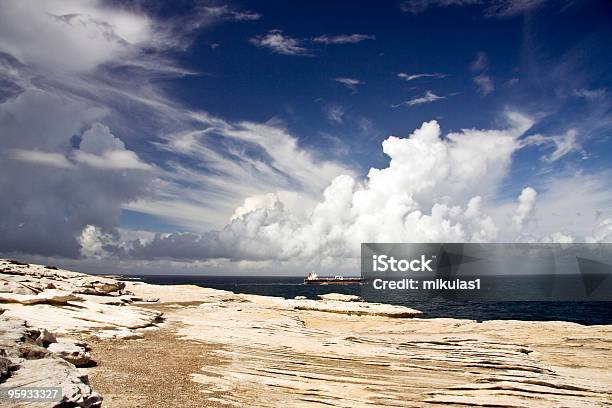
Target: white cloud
[[94, 34], [279, 43], [350, 83], [335, 113], [112, 160], [427, 97], [412, 77], [427, 193], [419, 6], [92, 241], [557, 238], [525, 208], [57, 195], [571, 202], [98, 149], [602, 233], [101, 149], [512, 8], [480, 63], [563, 144], [101, 176], [492, 8], [200, 200], [226, 12], [591, 94], [343, 39], [484, 84], [45, 158]]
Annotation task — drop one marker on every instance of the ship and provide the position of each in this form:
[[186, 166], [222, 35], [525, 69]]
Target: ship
[[314, 279]]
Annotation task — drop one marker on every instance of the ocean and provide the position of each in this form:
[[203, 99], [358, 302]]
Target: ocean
[[587, 313]]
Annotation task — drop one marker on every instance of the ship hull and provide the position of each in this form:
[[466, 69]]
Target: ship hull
[[332, 281]]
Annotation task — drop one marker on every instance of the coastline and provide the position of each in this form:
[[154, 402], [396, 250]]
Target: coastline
[[191, 346]]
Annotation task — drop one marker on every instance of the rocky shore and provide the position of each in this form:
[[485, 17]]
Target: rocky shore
[[111, 343]]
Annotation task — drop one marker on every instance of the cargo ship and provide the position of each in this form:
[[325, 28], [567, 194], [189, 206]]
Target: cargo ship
[[314, 279]]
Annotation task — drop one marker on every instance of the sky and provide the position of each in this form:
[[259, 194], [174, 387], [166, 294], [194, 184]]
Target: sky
[[213, 137]]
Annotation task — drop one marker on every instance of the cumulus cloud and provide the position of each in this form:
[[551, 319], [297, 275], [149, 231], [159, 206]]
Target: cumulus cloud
[[427, 193], [343, 39], [526, 205], [427, 97], [601, 233], [412, 77], [101, 149], [279, 43], [93, 242], [98, 149], [242, 160], [48, 197], [557, 238]]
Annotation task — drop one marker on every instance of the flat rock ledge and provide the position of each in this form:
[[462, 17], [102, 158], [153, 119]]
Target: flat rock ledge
[[351, 307]]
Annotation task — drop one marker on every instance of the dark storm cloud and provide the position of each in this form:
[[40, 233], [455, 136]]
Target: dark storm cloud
[[48, 193]]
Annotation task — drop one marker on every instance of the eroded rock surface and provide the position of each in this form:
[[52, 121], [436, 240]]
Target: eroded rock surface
[[30, 358], [273, 352], [280, 353], [45, 311], [70, 302]]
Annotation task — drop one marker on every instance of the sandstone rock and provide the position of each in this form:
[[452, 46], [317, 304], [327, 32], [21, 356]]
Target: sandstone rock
[[31, 351], [354, 308], [45, 338], [118, 334], [26, 363], [74, 352], [7, 286], [6, 367], [341, 297], [99, 287], [145, 299], [55, 372], [52, 297]]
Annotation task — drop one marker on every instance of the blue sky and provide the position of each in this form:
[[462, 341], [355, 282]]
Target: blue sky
[[193, 120]]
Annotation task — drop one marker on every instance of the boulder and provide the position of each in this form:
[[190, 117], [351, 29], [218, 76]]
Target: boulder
[[45, 338], [6, 367], [76, 353], [99, 287], [31, 351]]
